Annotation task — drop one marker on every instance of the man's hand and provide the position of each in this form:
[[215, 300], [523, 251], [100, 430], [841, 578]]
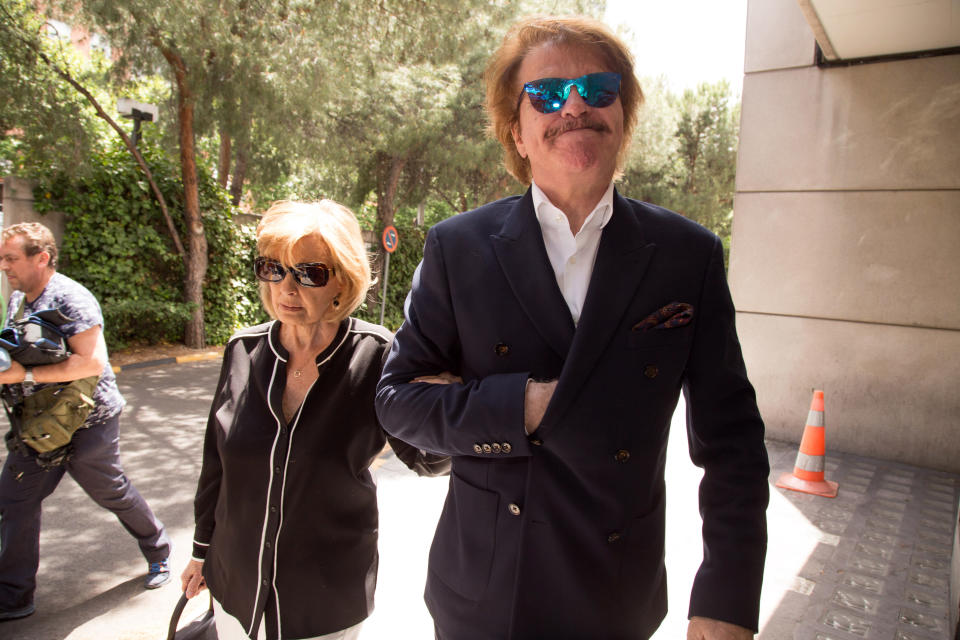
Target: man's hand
[[441, 378], [535, 403], [191, 580], [709, 629]]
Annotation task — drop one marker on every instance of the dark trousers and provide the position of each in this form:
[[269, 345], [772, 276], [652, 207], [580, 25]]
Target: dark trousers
[[95, 465]]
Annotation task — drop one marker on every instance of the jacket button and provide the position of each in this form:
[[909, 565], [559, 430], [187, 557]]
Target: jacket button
[[487, 448], [477, 449], [496, 447], [651, 371], [536, 442], [623, 455], [502, 349], [513, 509], [613, 537], [506, 447]]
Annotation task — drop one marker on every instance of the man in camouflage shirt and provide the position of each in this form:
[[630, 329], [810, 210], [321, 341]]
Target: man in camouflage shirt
[[28, 257]]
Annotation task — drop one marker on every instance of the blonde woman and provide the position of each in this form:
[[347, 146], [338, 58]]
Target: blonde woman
[[286, 509]]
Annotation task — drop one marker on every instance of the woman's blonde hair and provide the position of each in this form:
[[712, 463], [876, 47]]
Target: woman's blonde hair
[[529, 33], [287, 223]]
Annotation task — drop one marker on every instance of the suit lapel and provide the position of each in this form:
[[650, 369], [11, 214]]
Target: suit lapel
[[523, 258], [622, 260]]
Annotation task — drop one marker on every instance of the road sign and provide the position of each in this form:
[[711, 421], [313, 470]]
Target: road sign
[[390, 239]]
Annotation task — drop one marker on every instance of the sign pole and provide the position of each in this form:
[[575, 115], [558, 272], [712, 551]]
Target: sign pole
[[390, 240], [386, 274]]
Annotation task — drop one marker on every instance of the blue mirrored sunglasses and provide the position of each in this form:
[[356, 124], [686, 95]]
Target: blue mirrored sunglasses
[[548, 95]]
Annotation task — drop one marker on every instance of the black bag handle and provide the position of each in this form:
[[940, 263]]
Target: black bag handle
[[178, 611]]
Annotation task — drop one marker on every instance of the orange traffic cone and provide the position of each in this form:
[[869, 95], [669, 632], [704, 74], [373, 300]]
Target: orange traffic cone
[[807, 475]]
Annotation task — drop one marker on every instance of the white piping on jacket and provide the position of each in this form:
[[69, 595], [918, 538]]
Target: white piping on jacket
[[293, 426], [266, 506]]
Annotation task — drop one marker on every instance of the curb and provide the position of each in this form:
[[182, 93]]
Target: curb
[[194, 357]]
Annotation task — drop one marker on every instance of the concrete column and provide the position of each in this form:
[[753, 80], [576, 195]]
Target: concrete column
[[18, 207]]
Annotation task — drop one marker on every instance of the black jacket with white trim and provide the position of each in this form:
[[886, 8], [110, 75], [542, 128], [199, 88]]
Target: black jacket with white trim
[[286, 514]]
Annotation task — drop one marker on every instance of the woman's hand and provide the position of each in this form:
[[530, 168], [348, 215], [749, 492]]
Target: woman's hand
[[441, 378], [191, 579]]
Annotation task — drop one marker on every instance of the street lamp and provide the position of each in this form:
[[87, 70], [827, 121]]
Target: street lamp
[[139, 112]]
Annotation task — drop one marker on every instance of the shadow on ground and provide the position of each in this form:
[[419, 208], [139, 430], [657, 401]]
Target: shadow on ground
[[89, 565]]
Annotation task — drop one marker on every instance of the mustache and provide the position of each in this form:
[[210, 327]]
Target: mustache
[[582, 122]]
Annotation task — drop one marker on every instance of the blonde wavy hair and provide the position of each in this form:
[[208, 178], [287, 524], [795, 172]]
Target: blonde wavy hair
[[572, 31], [286, 223]]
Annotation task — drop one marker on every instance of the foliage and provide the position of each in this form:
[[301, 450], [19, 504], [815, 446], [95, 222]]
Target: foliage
[[347, 100], [116, 244], [684, 154], [403, 262], [44, 124]]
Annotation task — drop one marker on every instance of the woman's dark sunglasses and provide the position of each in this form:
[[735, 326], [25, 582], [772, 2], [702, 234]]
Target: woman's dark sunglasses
[[307, 274], [548, 95]]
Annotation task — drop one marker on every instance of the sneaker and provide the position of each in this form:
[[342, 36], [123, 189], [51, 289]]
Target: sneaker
[[158, 575], [13, 614]]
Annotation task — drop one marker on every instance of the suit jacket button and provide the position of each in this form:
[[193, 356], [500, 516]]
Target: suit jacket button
[[623, 455], [506, 447], [513, 509], [651, 371], [613, 537], [501, 349], [496, 447], [536, 442], [477, 448], [487, 448]]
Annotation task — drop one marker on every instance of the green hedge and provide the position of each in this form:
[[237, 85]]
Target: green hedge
[[117, 244]]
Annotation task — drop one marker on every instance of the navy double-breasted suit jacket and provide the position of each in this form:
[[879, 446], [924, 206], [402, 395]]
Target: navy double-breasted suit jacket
[[561, 534]]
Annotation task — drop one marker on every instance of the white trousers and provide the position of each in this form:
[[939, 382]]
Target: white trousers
[[229, 628]]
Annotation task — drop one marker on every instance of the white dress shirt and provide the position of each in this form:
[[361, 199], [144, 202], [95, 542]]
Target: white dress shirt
[[572, 256]]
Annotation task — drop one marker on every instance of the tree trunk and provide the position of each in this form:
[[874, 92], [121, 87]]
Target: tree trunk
[[196, 262], [239, 174], [223, 165], [388, 181]]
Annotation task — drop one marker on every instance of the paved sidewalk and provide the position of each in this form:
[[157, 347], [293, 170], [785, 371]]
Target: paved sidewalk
[[872, 563]]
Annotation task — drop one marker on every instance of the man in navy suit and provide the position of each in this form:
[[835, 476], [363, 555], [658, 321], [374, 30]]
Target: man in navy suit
[[547, 339]]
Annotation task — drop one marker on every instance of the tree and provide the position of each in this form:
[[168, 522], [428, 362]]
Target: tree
[[684, 153], [35, 105], [17, 26], [376, 102], [231, 66], [115, 243], [419, 131], [707, 133]]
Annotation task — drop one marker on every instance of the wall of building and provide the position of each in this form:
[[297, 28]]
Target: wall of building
[[845, 258], [18, 207]]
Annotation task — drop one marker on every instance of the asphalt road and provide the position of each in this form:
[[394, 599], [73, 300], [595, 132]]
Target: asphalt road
[[91, 572]]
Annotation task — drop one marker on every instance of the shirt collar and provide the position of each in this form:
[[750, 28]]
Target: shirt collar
[[598, 218]]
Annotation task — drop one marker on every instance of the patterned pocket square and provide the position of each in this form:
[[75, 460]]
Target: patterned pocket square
[[675, 314]]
